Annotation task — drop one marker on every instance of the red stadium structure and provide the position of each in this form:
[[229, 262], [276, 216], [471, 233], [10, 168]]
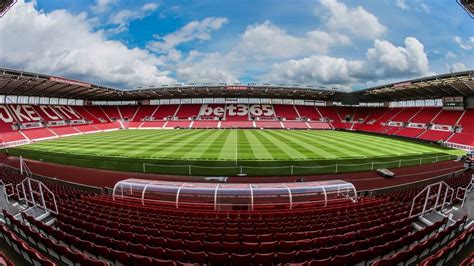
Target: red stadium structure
[[423, 217]]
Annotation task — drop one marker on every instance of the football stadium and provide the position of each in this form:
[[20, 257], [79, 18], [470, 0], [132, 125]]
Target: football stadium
[[232, 173]]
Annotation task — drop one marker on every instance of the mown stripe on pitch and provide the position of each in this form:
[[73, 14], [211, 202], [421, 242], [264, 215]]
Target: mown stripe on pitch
[[349, 149], [258, 150], [308, 145], [154, 149], [179, 147], [369, 149], [199, 150], [285, 149], [228, 151], [389, 144], [126, 145]]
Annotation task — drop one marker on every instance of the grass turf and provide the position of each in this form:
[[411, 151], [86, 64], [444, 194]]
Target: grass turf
[[232, 151]]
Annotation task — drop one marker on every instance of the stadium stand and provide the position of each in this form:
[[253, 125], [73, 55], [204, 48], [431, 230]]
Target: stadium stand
[[427, 123], [128, 112], [165, 111], [309, 112], [287, 112], [97, 230]]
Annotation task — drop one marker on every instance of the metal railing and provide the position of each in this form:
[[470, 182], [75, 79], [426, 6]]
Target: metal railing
[[466, 190], [4, 187], [33, 192], [439, 191], [189, 169]]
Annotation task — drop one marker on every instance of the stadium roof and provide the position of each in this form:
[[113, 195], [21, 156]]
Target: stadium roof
[[13, 82]]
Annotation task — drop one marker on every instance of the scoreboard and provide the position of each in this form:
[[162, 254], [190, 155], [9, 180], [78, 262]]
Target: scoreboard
[[453, 103]]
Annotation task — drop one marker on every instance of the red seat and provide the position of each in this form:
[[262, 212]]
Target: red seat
[[218, 258], [321, 262], [241, 259], [285, 257], [156, 252], [197, 257]]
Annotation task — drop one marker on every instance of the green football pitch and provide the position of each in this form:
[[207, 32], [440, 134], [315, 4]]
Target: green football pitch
[[235, 151]]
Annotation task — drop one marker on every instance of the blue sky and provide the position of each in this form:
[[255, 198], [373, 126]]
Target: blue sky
[[342, 44]]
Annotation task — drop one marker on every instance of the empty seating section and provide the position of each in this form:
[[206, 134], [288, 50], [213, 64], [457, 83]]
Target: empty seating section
[[187, 111], [153, 124], [410, 132], [112, 112], [97, 112], [392, 130], [205, 124], [309, 112], [368, 119], [319, 125], [268, 124], [285, 111], [360, 114], [375, 114], [295, 124], [87, 128], [435, 135], [95, 230], [329, 112], [346, 113], [425, 115], [165, 111], [128, 111], [88, 115], [145, 112], [389, 116], [178, 123], [48, 113], [212, 111], [467, 121], [6, 137], [451, 249], [108, 126], [29, 254], [65, 131], [462, 138], [447, 117], [405, 114], [237, 124], [39, 133]]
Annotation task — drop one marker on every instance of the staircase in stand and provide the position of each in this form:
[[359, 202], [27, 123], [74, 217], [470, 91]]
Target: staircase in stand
[[438, 202], [29, 197]]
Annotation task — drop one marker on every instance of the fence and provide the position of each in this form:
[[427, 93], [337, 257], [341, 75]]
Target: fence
[[10, 144], [458, 146], [287, 170]]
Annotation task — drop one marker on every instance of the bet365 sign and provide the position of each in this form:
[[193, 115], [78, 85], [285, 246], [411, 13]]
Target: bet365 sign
[[237, 110]]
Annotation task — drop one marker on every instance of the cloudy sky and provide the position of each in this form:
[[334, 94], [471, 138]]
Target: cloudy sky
[[330, 43]]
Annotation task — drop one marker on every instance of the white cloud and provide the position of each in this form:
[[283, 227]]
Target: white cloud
[[467, 44], [383, 61], [357, 20], [195, 30], [123, 18], [402, 5], [258, 47], [266, 40], [64, 44], [101, 6], [415, 5], [208, 67], [450, 55], [456, 67]]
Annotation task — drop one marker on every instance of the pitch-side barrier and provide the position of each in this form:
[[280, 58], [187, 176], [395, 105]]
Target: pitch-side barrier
[[290, 170]]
